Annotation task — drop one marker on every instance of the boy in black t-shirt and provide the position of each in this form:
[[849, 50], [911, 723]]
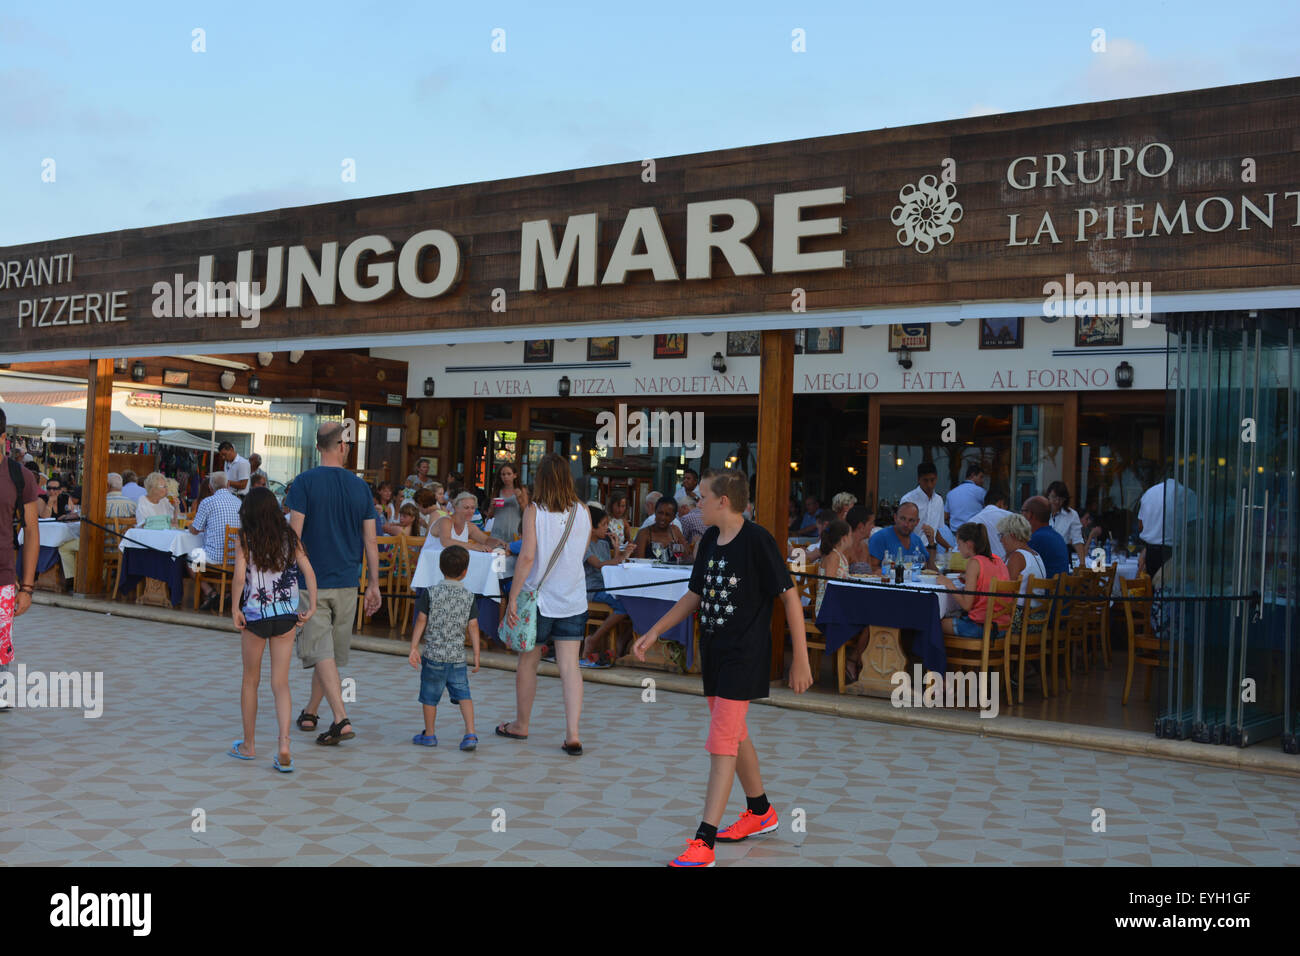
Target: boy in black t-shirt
[[738, 571]]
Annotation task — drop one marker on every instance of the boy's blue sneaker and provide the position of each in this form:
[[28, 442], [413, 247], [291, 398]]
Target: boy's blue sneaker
[[425, 740], [469, 742]]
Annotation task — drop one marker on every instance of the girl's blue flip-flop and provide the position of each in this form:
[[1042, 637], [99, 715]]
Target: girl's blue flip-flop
[[282, 767], [234, 751]]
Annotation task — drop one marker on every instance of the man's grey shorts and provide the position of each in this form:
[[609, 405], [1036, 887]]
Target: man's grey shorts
[[327, 635]]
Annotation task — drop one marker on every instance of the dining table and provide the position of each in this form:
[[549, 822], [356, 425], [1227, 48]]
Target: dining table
[[657, 587], [885, 612], [52, 534], [489, 576], [157, 554]]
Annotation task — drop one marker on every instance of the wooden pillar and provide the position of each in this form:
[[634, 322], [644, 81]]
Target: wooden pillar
[[94, 475], [775, 409]]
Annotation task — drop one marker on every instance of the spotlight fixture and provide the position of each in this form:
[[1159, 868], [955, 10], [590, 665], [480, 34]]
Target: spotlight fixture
[[564, 386], [296, 356], [264, 358], [1124, 375], [719, 364], [227, 380], [119, 365], [905, 357], [137, 372], [254, 385], [428, 387]]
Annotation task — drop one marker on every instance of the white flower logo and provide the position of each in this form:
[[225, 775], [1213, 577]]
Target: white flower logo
[[926, 214]]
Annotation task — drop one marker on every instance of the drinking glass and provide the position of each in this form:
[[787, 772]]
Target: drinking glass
[[941, 561], [657, 550], [677, 552]]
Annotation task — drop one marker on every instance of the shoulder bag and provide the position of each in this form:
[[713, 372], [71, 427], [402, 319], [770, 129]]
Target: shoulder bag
[[523, 636]]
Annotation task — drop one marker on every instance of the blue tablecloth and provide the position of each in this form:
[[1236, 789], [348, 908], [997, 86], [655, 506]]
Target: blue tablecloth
[[846, 611], [46, 558], [645, 614], [138, 563]]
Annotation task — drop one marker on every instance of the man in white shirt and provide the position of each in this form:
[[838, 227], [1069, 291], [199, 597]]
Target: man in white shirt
[[989, 516], [686, 490], [930, 506], [237, 470], [1158, 517]]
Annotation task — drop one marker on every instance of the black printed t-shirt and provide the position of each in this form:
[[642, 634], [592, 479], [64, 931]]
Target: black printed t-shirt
[[736, 583]]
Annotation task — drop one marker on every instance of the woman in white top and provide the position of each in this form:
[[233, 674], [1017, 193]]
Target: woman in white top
[[1022, 560], [457, 528], [562, 598], [1065, 520], [153, 503]]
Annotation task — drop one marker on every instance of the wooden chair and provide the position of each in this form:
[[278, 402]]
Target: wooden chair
[[597, 613], [816, 639], [1030, 642], [982, 653], [389, 555], [224, 573], [1144, 645], [1096, 616], [1072, 615], [113, 553], [409, 556]]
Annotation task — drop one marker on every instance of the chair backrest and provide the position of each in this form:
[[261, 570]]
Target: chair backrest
[[1003, 605], [232, 543], [1038, 605], [1138, 613]]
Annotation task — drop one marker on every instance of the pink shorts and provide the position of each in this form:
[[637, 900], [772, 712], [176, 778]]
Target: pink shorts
[[8, 602], [726, 726]]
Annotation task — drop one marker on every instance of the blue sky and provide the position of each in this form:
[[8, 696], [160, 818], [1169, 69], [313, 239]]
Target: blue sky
[[145, 131]]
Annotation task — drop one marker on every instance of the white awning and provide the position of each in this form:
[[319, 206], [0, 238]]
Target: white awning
[[34, 419], [179, 438]]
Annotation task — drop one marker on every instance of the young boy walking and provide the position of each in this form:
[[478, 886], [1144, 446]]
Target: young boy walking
[[443, 613], [738, 571]]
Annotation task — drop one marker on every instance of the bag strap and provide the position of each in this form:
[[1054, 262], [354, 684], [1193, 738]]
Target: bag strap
[[555, 556]]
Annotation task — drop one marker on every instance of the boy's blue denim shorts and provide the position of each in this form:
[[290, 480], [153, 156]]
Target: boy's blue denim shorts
[[435, 675], [561, 628], [604, 597]]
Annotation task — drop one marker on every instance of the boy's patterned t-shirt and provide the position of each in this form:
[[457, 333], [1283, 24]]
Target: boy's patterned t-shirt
[[736, 583], [448, 607]]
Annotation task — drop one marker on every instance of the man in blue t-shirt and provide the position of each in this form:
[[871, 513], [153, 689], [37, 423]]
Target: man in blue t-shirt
[[1046, 540], [333, 512], [901, 535]]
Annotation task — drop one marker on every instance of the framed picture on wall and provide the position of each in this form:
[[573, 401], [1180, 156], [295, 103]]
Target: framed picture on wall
[[539, 350], [173, 376], [1002, 333], [741, 344], [824, 341], [670, 346], [602, 348], [1098, 330], [914, 338]]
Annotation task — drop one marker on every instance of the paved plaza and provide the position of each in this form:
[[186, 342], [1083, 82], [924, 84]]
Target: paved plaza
[[124, 788]]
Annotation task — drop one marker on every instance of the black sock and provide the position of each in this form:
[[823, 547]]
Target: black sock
[[758, 805], [707, 833]]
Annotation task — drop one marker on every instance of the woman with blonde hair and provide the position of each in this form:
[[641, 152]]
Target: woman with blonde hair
[[841, 504], [557, 529], [457, 528], [153, 509]]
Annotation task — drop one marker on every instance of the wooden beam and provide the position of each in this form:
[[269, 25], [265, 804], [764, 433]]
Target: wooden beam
[[772, 483], [94, 475]]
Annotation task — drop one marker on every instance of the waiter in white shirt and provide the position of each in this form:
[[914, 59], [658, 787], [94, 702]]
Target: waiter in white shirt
[[236, 468], [1158, 517], [930, 506]]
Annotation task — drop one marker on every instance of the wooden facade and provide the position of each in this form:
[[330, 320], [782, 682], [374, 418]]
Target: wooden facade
[[1234, 143]]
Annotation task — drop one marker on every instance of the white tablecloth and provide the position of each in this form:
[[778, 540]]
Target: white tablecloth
[[164, 539], [55, 533], [625, 574], [947, 603], [480, 578]]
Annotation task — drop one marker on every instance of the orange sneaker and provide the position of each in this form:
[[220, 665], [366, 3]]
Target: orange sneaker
[[749, 824], [697, 853]]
